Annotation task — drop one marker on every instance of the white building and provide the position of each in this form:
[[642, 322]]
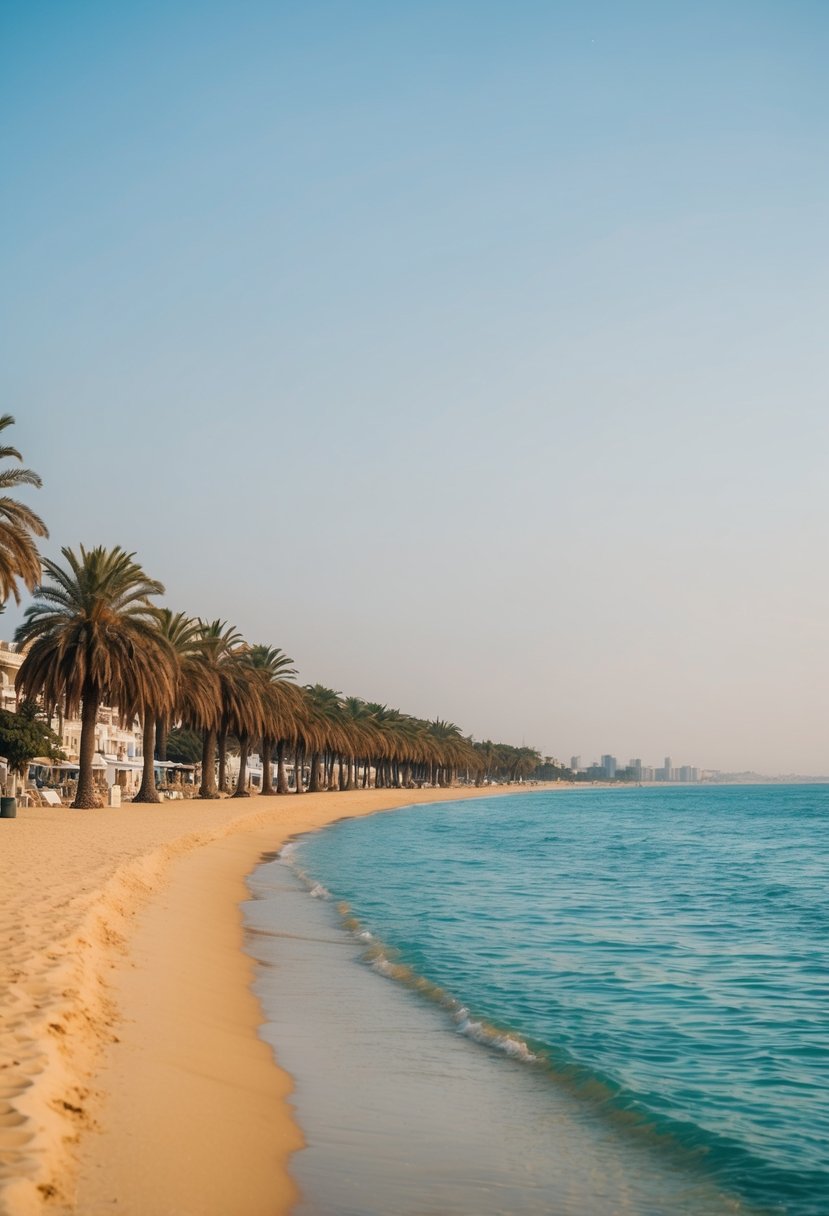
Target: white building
[[119, 750]]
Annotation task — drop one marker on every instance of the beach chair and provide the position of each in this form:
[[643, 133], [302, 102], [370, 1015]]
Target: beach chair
[[51, 797]]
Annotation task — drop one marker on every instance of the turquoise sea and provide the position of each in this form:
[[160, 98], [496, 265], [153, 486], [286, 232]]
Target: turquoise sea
[[649, 964]]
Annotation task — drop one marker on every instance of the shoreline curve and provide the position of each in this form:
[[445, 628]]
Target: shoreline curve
[[131, 1070]]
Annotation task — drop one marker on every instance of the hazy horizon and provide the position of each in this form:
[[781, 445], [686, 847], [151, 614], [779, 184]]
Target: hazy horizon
[[473, 354]]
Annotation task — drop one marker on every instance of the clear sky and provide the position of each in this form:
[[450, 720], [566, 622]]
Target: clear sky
[[473, 353]]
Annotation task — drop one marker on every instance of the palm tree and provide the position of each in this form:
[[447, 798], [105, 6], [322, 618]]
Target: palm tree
[[243, 710], [91, 639], [218, 644], [155, 704], [361, 735], [451, 751], [19, 558], [279, 702], [326, 713], [182, 633], [195, 693], [393, 739]]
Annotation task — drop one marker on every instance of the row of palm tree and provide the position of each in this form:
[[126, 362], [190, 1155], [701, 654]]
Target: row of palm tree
[[95, 636], [502, 762]]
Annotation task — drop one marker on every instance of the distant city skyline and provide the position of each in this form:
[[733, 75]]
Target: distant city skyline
[[609, 768], [473, 355]]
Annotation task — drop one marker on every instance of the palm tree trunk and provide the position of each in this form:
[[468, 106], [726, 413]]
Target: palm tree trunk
[[147, 791], [314, 785], [267, 754], [281, 774], [208, 766], [299, 760], [86, 798], [162, 730], [244, 748], [223, 762]]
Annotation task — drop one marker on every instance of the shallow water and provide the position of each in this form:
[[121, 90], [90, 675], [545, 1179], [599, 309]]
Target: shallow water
[[405, 1113], [658, 957]]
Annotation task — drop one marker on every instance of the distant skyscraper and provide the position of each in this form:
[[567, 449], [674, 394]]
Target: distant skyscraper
[[609, 766], [636, 768], [669, 769], [575, 763]]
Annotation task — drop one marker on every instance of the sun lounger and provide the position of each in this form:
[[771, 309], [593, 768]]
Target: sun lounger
[[50, 797]]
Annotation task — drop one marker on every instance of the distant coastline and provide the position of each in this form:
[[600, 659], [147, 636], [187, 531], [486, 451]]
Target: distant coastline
[[751, 778]]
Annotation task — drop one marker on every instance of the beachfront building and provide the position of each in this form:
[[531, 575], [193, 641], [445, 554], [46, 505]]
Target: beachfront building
[[10, 660], [609, 767], [119, 750]]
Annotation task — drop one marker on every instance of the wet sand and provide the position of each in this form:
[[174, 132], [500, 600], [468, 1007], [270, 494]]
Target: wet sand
[[132, 1078]]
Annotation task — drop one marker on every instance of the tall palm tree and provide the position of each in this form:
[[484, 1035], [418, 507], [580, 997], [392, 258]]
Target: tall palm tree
[[154, 706], [243, 711], [218, 647], [326, 714], [199, 703], [19, 558], [451, 751], [390, 739], [310, 733], [91, 639], [275, 671], [195, 693], [182, 632], [361, 737]]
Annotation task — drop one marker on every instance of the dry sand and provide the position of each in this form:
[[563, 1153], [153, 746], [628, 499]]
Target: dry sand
[[131, 1076]]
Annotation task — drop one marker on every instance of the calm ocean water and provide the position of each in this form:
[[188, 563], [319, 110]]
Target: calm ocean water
[[657, 955]]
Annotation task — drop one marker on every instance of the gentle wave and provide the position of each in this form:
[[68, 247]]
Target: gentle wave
[[382, 959], [591, 1087], [680, 992]]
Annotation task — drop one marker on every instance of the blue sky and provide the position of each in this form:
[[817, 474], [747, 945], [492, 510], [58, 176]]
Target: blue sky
[[472, 353]]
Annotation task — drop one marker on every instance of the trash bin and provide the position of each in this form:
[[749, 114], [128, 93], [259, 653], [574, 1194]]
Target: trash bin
[[8, 808]]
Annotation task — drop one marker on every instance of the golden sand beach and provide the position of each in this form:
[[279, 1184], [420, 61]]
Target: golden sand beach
[[131, 1075]]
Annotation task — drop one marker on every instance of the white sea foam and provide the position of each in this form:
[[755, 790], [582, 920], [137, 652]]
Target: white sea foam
[[316, 889], [489, 1036], [382, 964]]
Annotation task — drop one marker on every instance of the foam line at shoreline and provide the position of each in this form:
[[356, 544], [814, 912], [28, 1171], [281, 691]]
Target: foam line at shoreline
[[80, 1005]]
